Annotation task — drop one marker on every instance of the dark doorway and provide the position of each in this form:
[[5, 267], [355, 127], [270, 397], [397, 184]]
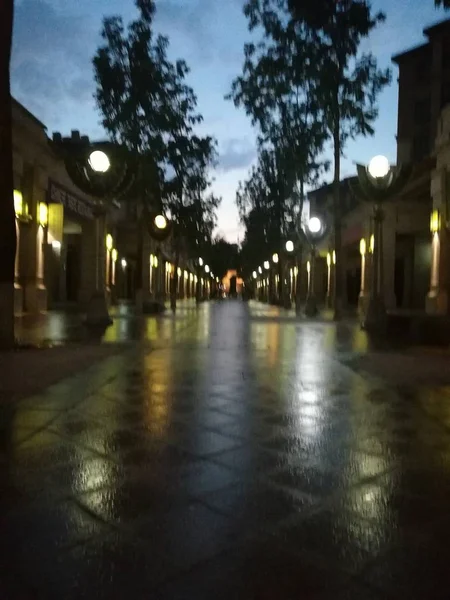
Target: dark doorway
[[399, 281], [72, 271], [353, 286]]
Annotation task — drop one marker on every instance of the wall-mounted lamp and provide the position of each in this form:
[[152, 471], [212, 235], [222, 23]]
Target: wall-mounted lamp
[[362, 247], [435, 221], [43, 214], [19, 205]]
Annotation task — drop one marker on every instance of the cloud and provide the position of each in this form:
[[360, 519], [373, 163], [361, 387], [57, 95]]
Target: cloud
[[202, 28], [236, 153], [51, 60]]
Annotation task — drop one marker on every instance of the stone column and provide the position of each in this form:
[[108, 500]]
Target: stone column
[[365, 249], [18, 292], [93, 272], [331, 259], [32, 242], [387, 276], [17, 182], [143, 295]]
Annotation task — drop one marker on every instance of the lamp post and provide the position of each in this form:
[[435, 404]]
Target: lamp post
[[378, 182], [108, 171], [102, 170], [315, 231], [198, 294]]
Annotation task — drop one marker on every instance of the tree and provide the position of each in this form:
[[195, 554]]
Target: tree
[[313, 46], [345, 84], [7, 216], [187, 199], [274, 91], [148, 107], [268, 194], [444, 3], [222, 256]]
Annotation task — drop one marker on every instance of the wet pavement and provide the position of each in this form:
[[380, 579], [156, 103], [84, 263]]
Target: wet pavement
[[230, 452]]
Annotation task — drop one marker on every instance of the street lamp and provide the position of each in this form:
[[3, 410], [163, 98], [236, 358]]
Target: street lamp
[[255, 275], [198, 280], [260, 270], [378, 167], [207, 269], [160, 221], [378, 182], [266, 265], [275, 258], [123, 262], [289, 246], [99, 161], [314, 225], [103, 170], [315, 230]]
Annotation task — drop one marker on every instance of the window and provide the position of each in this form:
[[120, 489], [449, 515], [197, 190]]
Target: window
[[421, 146], [422, 110]]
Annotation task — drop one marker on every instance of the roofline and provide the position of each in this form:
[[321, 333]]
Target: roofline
[[28, 113], [396, 58], [445, 24], [327, 186]]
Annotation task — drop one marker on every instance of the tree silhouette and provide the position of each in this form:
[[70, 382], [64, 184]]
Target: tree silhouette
[[147, 106], [310, 50]]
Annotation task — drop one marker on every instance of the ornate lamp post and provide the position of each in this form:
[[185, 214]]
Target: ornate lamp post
[[315, 231], [107, 172], [198, 292], [378, 182]]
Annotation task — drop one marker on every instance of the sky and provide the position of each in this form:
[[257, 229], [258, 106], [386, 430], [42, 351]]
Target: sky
[[54, 42]]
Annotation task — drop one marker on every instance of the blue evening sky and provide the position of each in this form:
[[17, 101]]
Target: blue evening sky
[[54, 41]]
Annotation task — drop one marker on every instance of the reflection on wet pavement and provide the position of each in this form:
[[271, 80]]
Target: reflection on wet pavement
[[236, 455]]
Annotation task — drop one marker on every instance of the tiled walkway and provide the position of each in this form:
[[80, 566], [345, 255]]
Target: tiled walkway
[[239, 456]]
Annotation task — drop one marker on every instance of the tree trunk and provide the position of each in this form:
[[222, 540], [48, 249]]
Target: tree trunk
[[338, 275], [298, 282], [7, 215]]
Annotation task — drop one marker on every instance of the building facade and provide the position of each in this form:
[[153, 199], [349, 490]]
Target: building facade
[[416, 252], [424, 89], [68, 249]]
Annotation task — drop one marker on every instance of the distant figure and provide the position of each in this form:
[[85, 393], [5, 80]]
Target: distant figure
[[233, 293]]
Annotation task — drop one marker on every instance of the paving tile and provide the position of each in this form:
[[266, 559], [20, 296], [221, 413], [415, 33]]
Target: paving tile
[[259, 569], [188, 534], [132, 499], [414, 570], [255, 505], [207, 443], [35, 535], [336, 540], [106, 567], [241, 456]]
